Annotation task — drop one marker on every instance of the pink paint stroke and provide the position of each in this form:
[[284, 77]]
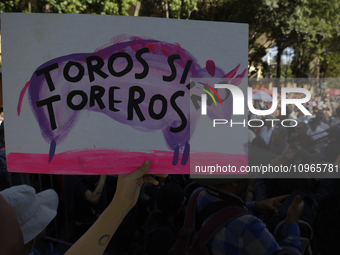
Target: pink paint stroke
[[111, 161], [94, 161], [22, 93], [211, 68]]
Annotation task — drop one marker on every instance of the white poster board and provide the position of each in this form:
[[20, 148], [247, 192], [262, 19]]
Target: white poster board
[[92, 94]]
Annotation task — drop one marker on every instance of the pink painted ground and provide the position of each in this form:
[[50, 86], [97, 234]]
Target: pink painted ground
[[109, 161]]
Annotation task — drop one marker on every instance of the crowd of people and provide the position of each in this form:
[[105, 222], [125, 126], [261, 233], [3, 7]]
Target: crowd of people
[[174, 214]]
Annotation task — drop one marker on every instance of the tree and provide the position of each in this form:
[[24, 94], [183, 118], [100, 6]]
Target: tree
[[330, 59], [317, 31], [115, 7], [271, 23], [310, 27], [179, 9], [252, 12], [14, 6]]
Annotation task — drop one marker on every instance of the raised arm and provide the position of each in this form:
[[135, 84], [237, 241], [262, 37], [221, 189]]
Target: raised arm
[[95, 240]]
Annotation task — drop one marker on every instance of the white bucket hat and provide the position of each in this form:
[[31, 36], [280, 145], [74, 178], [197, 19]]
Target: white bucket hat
[[33, 211]]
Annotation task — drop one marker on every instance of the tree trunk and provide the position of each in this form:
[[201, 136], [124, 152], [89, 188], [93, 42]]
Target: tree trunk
[[166, 8], [278, 61]]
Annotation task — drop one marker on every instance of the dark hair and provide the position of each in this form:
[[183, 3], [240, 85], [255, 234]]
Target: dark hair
[[259, 142], [2, 134], [319, 113], [327, 224], [305, 125], [169, 199], [313, 121], [282, 131], [337, 110]]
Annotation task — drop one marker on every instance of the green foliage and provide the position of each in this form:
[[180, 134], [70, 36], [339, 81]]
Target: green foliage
[[182, 8], [317, 25], [115, 7], [14, 6], [118, 7], [69, 6], [310, 27], [179, 9]]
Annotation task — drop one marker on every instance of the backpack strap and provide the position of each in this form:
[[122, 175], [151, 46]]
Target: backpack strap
[[209, 210], [222, 213], [226, 197], [189, 221], [219, 220]]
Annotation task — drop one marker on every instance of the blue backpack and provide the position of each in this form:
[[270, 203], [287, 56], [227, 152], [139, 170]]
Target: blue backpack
[[193, 239]]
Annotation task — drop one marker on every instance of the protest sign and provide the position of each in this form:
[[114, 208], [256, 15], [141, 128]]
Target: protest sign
[[90, 94]]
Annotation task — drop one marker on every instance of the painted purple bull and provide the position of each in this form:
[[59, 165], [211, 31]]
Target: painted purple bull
[[140, 82]]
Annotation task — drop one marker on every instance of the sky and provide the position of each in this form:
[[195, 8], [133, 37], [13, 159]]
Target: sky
[[273, 51]]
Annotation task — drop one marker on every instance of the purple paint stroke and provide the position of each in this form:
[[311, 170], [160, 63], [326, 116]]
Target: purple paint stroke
[[52, 150], [185, 154], [175, 156], [157, 60]]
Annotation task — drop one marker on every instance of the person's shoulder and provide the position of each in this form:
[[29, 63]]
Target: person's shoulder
[[3, 154], [245, 225], [324, 125], [319, 129], [255, 228], [263, 129], [250, 219], [247, 222]]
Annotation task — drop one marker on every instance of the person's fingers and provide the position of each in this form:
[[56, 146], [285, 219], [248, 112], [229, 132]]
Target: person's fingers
[[265, 207], [280, 198], [142, 170], [302, 204], [276, 201], [271, 210], [161, 175], [149, 178], [296, 201]]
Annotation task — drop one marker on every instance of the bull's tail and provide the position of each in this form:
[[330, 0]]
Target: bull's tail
[[22, 93]]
